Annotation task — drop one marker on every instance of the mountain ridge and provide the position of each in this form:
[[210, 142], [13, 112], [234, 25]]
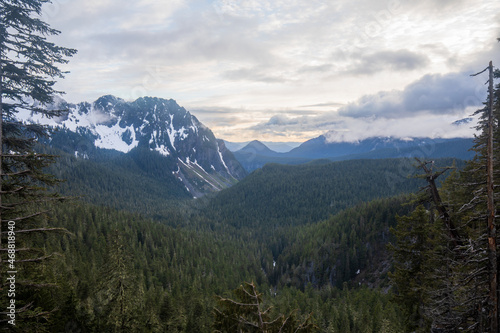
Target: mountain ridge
[[254, 156], [196, 158]]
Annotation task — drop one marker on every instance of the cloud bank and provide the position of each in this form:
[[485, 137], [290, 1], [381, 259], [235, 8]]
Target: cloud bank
[[287, 70], [450, 93]]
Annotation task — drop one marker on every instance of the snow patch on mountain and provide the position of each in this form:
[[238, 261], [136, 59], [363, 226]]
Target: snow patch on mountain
[[171, 132], [104, 126], [162, 150], [222, 158], [112, 137]]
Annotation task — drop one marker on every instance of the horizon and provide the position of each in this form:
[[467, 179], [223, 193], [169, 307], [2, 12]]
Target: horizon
[[291, 71], [295, 144]]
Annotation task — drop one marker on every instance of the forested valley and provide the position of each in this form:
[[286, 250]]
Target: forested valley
[[113, 243], [308, 246], [311, 238]]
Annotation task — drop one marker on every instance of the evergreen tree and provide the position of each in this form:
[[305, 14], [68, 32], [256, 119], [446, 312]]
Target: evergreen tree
[[119, 294], [412, 253], [248, 314], [28, 67]]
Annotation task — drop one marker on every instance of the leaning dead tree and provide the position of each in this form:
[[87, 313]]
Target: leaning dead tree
[[431, 176]]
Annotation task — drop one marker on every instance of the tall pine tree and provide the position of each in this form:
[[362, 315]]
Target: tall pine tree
[[28, 68]]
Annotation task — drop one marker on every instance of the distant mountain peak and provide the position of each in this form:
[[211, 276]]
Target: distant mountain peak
[[256, 144], [257, 147], [463, 121]]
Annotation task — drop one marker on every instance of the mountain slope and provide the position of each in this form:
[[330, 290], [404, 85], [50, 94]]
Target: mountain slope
[[278, 147], [192, 153], [286, 195]]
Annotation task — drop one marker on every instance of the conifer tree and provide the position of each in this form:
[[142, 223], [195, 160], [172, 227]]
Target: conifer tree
[[119, 295], [28, 68], [248, 314], [412, 253]]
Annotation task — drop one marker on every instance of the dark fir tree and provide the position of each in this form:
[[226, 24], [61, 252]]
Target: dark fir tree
[[28, 68], [411, 262], [119, 295]]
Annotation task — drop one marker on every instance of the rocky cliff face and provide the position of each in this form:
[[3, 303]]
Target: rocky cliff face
[[192, 153]]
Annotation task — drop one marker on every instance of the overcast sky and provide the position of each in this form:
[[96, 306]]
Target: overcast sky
[[288, 70]]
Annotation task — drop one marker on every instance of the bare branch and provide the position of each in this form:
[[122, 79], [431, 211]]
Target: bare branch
[[481, 72]]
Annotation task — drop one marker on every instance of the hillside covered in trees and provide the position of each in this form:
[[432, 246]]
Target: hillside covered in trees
[[157, 267]]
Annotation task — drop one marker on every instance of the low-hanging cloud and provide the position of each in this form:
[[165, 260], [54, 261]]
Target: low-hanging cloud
[[434, 93], [349, 129]]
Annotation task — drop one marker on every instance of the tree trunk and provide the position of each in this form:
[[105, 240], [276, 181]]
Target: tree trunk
[[492, 251]]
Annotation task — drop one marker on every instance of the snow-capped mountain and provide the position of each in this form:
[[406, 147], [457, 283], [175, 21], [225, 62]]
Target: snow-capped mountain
[[193, 154]]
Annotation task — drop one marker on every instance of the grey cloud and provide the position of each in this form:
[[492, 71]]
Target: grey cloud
[[281, 120], [281, 123], [180, 46], [354, 129], [438, 94], [189, 35], [401, 60]]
